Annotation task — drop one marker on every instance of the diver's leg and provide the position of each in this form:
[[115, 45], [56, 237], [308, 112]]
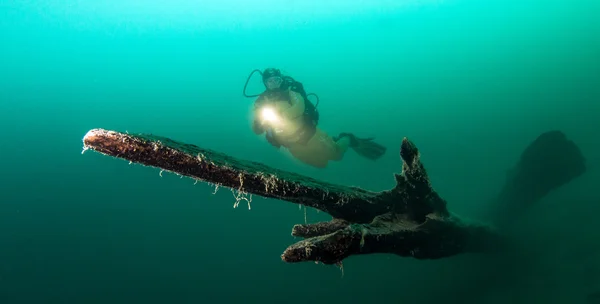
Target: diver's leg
[[340, 147], [320, 149], [364, 147], [333, 149], [308, 156]]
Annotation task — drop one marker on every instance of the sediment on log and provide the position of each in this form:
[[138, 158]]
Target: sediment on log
[[409, 220]]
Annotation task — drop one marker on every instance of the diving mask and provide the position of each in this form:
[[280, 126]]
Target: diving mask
[[273, 82]]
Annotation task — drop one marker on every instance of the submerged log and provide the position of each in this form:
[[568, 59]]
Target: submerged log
[[546, 164], [409, 220]]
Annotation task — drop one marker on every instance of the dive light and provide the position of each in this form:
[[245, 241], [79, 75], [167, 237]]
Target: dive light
[[269, 115]]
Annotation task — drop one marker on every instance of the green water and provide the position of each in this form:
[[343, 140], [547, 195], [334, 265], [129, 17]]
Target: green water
[[470, 82]]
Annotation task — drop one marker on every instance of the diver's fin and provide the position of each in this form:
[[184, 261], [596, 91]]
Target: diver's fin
[[365, 147], [369, 149]]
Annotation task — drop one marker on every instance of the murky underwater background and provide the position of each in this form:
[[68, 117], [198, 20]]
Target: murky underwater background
[[472, 83]]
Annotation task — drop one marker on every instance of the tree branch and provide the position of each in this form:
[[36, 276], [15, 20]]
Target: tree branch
[[409, 220], [349, 203], [547, 163]]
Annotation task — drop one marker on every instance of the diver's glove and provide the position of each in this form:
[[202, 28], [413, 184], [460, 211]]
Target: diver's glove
[[271, 138], [258, 127]]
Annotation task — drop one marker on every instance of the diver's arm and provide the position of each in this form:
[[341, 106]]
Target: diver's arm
[[257, 127], [297, 108]]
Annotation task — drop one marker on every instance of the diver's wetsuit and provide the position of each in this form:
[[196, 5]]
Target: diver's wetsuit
[[306, 142]]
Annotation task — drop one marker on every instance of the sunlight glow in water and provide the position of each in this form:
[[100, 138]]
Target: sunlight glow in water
[[217, 14]]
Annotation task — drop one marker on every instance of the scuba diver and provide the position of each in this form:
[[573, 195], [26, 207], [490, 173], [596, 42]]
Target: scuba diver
[[287, 117]]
